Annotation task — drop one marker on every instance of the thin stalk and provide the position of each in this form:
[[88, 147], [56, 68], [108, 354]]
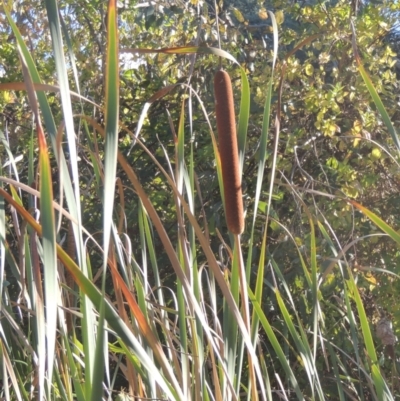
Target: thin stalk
[[246, 313]]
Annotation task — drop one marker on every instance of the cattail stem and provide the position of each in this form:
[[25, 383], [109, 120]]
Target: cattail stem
[[228, 149], [246, 315]]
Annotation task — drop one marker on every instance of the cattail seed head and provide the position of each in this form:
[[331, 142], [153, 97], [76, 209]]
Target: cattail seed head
[[228, 149]]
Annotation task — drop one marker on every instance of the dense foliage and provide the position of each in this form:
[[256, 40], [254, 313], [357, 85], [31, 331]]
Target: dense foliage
[[322, 259]]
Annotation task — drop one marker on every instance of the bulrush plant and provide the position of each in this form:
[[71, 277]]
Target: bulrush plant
[[180, 308], [232, 183]]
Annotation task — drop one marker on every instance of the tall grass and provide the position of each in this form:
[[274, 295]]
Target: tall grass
[[205, 333]]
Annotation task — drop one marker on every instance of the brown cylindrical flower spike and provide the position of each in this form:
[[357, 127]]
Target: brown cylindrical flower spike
[[228, 149]]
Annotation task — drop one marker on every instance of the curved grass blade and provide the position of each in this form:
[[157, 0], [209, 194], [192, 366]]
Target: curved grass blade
[[266, 120], [40, 87], [374, 94], [62, 75], [277, 121], [70, 53], [185, 50], [393, 234], [381, 387]]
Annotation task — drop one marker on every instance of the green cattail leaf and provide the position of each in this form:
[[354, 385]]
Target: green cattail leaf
[[244, 114], [374, 94], [185, 50], [110, 166], [111, 126], [49, 253], [62, 75], [382, 390], [378, 222]]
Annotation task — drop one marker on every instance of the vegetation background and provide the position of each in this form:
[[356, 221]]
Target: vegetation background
[[129, 287]]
